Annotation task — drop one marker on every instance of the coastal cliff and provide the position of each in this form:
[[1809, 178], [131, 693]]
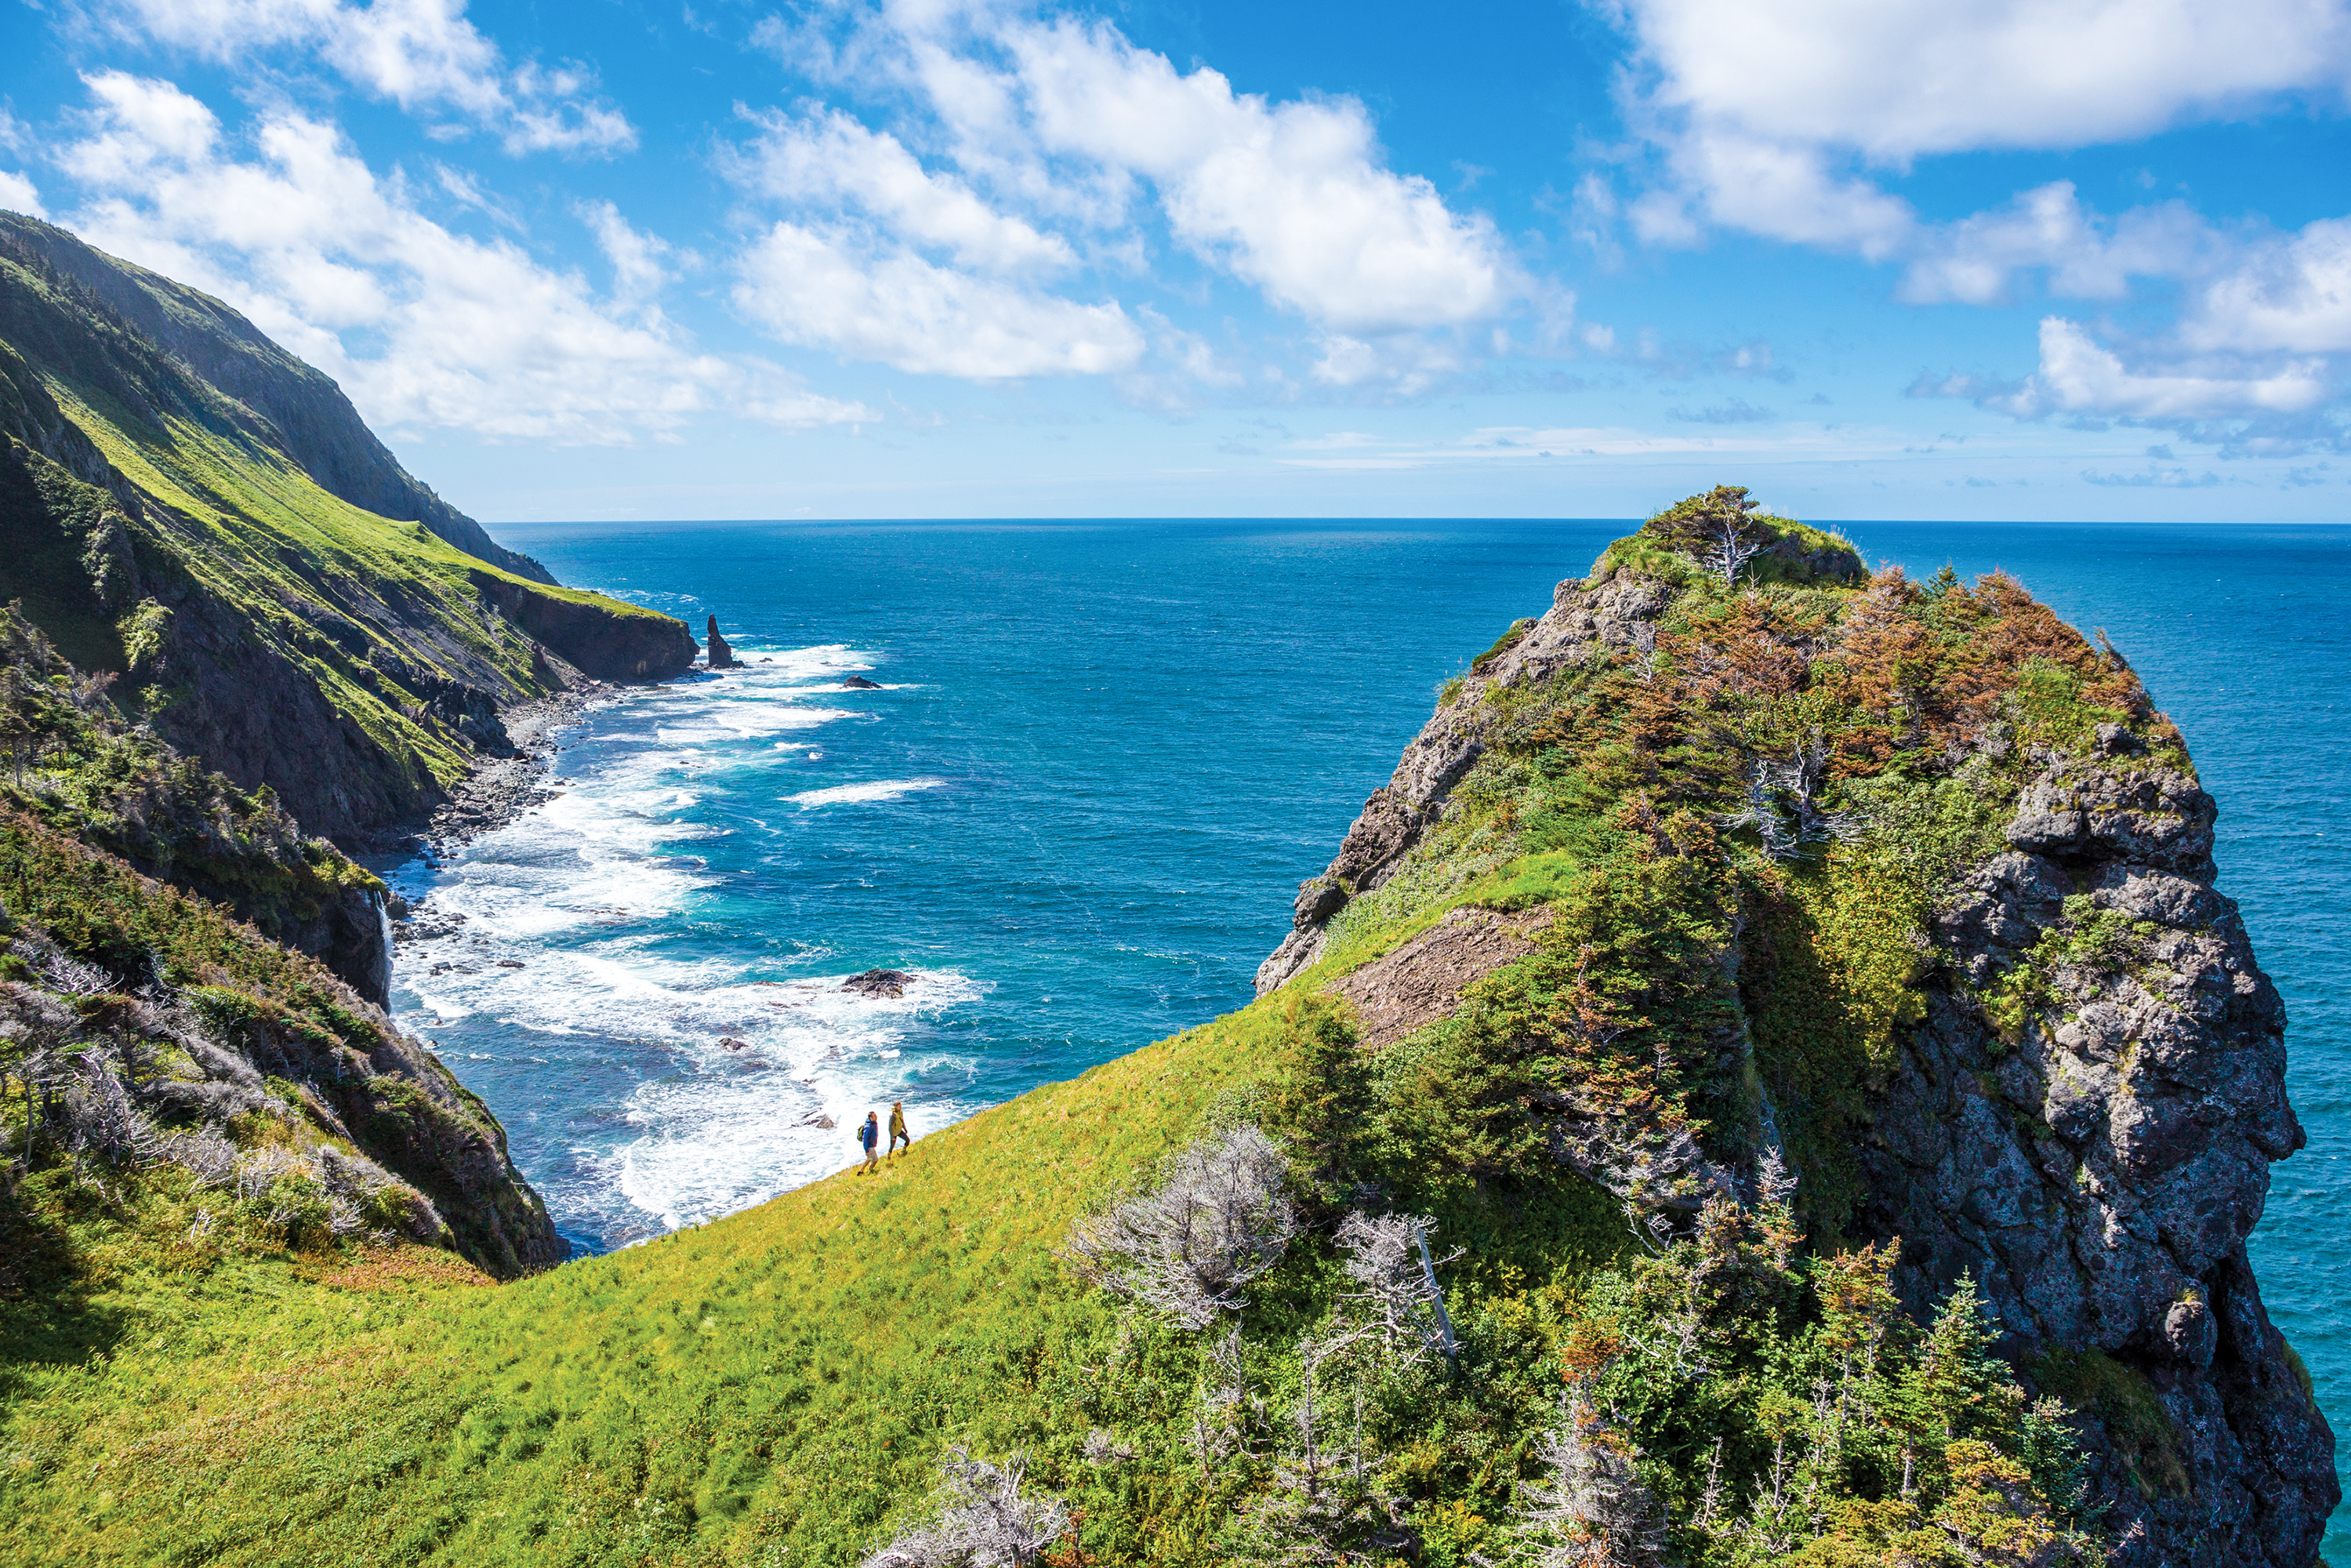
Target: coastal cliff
[[197, 512], [239, 640], [2062, 1073]]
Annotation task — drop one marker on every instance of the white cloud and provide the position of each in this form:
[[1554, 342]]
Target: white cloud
[[2087, 257], [1291, 197], [819, 288], [1405, 363], [639, 274], [423, 327], [1040, 147], [2078, 375], [18, 195], [1787, 192], [420, 54], [828, 159], [1893, 79], [2294, 294], [1778, 120]]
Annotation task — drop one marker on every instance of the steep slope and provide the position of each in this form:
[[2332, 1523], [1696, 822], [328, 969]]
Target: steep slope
[[81, 768], [236, 1096], [1995, 1007], [1654, 1018], [188, 507], [300, 411]]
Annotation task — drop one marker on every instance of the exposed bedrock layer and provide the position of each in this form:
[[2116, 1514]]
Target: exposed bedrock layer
[[2098, 1169], [589, 637]]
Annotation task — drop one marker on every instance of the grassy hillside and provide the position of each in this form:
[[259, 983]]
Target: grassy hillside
[[172, 532], [1652, 1332]]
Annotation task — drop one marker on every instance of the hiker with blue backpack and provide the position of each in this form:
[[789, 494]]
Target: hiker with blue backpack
[[870, 1134]]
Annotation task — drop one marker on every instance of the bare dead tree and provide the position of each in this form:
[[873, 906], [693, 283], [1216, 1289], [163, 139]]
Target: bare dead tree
[[104, 1121], [1388, 1257], [1588, 1508], [1732, 540], [1783, 803], [1187, 1249], [1719, 531], [980, 1519], [1327, 1503], [1220, 1427]]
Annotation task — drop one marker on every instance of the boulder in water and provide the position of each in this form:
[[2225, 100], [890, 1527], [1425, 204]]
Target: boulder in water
[[722, 657], [879, 984], [860, 684]]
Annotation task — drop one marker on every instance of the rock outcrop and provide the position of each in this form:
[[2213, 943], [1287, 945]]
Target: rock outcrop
[[879, 985], [722, 657], [592, 635], [2080, 1114], [2100, 1176]]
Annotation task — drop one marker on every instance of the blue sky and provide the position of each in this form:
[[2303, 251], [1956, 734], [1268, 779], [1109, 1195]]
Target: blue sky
[[638, 258]]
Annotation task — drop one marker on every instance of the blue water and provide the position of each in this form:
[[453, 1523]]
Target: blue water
[[1102, 760]]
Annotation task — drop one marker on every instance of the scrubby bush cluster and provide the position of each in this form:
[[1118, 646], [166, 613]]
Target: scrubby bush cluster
[[980, 1518], [147, 1097]]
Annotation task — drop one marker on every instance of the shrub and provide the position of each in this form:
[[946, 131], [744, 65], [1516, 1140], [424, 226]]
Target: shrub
[[1220, 1219], [981, 1520]]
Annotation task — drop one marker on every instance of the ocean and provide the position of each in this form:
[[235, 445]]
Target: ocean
[[1094, 763]]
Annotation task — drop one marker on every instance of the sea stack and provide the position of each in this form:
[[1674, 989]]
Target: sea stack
[[722, 657]]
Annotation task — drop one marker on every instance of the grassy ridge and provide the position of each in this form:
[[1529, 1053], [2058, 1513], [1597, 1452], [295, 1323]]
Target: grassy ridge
[[171, 535]]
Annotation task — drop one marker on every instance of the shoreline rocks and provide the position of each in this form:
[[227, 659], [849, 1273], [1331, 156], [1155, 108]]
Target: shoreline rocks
[[722, 657], [879, 985]]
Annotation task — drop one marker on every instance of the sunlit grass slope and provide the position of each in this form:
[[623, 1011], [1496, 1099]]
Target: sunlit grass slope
[[163, 530], [781, 1377]]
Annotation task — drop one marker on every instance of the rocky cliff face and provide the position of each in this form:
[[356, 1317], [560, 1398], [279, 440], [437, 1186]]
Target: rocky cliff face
[[192, 509], [2100, 1174], [1989, 1002]]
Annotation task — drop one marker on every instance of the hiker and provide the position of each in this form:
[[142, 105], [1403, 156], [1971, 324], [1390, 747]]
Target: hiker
[[870, 1134], [898, 1133]]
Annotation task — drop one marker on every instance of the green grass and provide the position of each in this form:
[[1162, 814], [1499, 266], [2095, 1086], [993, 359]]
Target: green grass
[[775, 1379], [377, 613]]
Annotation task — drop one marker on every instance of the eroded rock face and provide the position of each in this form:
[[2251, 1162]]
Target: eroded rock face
[[2099, 1177]]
